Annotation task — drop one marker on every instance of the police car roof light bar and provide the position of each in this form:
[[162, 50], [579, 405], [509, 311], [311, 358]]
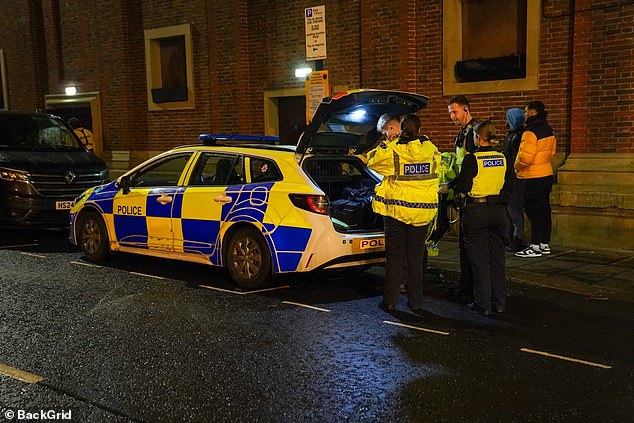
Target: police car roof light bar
[[212, 139]]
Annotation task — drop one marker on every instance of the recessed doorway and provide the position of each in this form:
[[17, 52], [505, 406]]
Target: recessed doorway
[[85, 106], [285, 114]]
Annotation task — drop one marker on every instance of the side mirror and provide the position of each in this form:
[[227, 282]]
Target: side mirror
[[124, 184]]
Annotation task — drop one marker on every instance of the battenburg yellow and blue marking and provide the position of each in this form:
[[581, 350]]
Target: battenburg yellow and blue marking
[[190, 221]]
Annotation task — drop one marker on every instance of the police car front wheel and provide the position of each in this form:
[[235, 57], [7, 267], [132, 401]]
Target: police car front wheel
[[248, 259], [93, 237]]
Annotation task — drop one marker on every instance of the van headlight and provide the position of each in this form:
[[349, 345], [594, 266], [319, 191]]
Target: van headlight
[[13, 175]]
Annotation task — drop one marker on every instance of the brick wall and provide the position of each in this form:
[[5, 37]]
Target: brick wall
[[245, 47], [603, 79]]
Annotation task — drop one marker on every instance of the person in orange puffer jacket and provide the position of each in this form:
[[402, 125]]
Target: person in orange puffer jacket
[[533, 165]]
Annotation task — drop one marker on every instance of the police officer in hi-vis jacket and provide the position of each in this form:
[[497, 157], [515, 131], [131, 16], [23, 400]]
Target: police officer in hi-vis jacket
[[486, 180], [407, 198], [460, 114]]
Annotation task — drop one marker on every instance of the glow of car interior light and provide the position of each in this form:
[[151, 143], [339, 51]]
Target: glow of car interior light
[[358, 115]]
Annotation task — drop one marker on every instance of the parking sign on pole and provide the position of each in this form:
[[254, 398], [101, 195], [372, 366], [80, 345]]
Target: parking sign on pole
[[315, 24]]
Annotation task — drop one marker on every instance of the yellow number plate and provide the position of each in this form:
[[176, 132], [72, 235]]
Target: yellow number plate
[[64, 205]]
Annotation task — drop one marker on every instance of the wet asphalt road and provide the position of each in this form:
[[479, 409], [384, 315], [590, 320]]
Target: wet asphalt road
[[133, 340]]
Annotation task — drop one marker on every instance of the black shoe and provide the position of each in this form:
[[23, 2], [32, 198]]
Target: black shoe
[[499, 309], [457, 291], [476, 309], [515, 246], [386, 307], [466, 298], [418, 310]]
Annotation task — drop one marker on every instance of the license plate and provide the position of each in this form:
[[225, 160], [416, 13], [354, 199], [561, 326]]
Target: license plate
[[365, 244], [64, 205]]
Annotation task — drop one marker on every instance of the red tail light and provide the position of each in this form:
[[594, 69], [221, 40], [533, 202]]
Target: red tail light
[[312, 203]]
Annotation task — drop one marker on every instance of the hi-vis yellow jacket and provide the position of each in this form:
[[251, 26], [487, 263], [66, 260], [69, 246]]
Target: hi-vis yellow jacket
[[409, 190], [490, 177]]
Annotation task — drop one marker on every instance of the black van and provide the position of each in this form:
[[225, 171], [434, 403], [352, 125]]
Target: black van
[[43, 167]]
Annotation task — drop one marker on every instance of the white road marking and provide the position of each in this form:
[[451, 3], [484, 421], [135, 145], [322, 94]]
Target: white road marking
[[230, 291], [275, 288], [438, 332], [18, 245], [146, 275], [83, 263], [18, 374], [33, 255], [561, 357], [221, 289], [306, 306]]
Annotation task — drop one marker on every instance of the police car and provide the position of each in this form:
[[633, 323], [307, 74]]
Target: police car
[[248, 204]]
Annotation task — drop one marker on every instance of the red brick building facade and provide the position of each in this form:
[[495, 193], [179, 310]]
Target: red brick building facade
[[244, 54]]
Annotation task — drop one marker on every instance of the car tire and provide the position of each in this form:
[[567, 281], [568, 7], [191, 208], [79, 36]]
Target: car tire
[[93, 237], [248, 259]]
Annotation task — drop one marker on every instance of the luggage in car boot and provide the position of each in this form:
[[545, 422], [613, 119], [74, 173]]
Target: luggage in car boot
[[355, 210]]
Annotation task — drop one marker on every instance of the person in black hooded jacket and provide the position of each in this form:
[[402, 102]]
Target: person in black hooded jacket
[[515, 122]]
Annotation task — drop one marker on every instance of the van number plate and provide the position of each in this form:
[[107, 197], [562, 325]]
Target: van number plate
[[64, 205]]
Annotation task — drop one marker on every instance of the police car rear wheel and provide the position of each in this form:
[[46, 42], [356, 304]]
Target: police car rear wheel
[[93, 237], [248, 259]]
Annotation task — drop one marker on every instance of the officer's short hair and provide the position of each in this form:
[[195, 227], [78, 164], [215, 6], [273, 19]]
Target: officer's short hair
[[460, 100], [383, 121], [74, 123]]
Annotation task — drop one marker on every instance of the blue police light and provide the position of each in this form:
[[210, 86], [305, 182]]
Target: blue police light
[[212, 139]]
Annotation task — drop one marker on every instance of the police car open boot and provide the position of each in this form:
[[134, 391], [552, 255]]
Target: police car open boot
[[530, 251]]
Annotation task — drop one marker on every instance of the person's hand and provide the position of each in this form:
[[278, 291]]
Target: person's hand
[[443, 189]]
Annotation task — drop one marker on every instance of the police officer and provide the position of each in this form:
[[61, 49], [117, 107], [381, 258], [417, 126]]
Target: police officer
[[407, 198], [460, 114], [485, 180], [84, 135]]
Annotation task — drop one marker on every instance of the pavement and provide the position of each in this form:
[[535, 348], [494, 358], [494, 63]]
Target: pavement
[[599, 274]]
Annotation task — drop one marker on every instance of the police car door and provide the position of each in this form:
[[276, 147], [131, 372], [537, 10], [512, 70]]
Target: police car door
[[214, 185], [142, 217]]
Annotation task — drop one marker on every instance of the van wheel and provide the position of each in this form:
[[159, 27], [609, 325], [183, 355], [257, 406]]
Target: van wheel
[[248, 259], [93, 237]]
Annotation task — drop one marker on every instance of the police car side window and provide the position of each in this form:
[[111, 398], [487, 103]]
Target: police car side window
[[164, 172], [264, 170], [218, 169]]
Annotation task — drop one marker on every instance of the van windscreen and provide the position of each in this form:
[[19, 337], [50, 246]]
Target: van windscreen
[[23, 132]]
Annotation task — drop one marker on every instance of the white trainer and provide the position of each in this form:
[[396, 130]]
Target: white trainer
[[529, 252]]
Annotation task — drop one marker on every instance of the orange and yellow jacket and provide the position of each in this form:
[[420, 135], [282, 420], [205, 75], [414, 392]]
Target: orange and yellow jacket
[[537, 147]]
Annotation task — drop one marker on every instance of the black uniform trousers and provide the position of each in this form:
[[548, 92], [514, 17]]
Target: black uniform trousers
[[484, 228], [404, 251], [465, 284]]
